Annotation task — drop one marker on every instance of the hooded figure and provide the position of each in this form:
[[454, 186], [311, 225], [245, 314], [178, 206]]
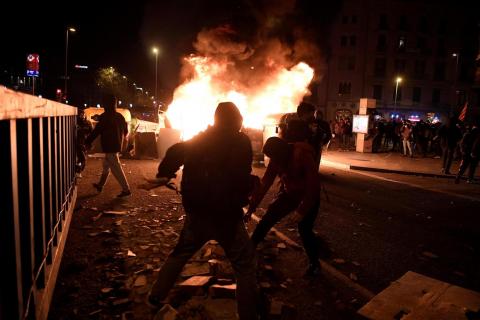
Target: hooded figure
[[215, 186]]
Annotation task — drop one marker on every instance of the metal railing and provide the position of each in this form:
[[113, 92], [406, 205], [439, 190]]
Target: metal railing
[[37, 175]]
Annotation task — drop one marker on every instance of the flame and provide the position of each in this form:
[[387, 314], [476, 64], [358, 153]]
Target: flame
[[212, 81]]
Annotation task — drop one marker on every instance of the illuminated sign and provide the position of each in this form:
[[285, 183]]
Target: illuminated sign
[[33, 65], [80, 66], [360, 123]]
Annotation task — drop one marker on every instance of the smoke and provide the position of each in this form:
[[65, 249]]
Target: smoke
[[253, 51]]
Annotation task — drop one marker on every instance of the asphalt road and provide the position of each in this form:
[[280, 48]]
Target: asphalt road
[[378, 226], [389, 224]]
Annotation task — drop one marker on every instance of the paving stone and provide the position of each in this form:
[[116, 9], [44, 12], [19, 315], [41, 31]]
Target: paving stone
[[222, 291], [196, 285]]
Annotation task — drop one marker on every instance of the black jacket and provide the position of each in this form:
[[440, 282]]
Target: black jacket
[[216, 173], [112, 127]]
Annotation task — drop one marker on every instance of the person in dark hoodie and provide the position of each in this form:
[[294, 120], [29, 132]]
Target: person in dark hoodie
[[215, 186], [470, 148], [295, 164], [449, 135], [112, 129]]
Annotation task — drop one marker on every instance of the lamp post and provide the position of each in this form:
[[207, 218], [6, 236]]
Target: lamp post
[[155, 51], [397, 81], [66, 60], [455, 91]]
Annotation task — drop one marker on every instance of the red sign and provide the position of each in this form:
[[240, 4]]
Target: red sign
[[33, 64]]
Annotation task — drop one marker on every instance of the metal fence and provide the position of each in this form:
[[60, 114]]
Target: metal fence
[[37, 157]]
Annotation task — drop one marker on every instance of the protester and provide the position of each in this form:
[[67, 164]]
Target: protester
[[470, 148], [449, 135], [295, 164], [215, 186], [84, 128], [112, 129]]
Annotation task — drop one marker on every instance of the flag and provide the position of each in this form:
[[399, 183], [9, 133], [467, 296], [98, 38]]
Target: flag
[[463, 113]]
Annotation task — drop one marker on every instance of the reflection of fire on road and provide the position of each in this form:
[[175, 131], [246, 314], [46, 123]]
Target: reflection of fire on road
[[260, 82]]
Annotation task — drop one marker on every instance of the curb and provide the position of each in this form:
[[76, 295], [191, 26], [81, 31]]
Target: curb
[[344, 166], [410, 173]]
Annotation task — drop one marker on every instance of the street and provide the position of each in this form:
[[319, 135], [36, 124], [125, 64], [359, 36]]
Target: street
[[378, 226]]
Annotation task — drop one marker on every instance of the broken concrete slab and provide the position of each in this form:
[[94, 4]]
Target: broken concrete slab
[[223, 291], [195, 269], [167, 312], [196, 285], [415, 296]]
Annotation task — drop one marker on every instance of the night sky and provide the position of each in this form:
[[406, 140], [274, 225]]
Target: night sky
[[122, 34]]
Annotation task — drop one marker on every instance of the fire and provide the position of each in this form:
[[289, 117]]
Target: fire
[[279, 91]]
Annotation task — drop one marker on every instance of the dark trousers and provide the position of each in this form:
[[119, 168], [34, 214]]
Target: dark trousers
[[279, 208], [233, 237], [470, 163], [447, 158]]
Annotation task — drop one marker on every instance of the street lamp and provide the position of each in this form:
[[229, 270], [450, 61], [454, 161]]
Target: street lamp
[[155, 51], [455, 98], [66, 59], [397, 81]]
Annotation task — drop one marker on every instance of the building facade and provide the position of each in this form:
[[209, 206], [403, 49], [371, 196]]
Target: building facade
[[416, 58]]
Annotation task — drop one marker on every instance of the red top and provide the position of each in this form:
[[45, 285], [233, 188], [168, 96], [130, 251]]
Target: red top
[[300, 178]]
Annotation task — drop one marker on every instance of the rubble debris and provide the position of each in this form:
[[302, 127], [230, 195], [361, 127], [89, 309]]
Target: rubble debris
[[167, 312], [140, 281], [120, 302], [223, 291], [118, 213], [195, 269], [429, 254], [131, 254], [196, 285]]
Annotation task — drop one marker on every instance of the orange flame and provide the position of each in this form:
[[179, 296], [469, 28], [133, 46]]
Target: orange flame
[[194, 102]]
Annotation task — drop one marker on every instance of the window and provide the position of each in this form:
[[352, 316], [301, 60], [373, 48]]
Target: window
[[377, 92], [402, 43], [421, 43], [380, 67], [344, 88], [343, 41], [403, 23], [382, 23], [419, 70], [442, 26], [400, 65], [441, 51], [382, 43], [354, 19], [436, 97], [353, 41], [423, 25], [439, 71], [399, 93], [345, 19], [417, 94]]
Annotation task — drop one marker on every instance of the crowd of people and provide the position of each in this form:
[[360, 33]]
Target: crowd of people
[[452, 140]]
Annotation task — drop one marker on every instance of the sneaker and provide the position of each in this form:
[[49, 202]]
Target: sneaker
[[124, 194], [313, 270], [98, 187], [469, 180]]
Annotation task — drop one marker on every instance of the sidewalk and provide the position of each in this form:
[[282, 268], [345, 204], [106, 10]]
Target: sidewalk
[[389, 163]]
